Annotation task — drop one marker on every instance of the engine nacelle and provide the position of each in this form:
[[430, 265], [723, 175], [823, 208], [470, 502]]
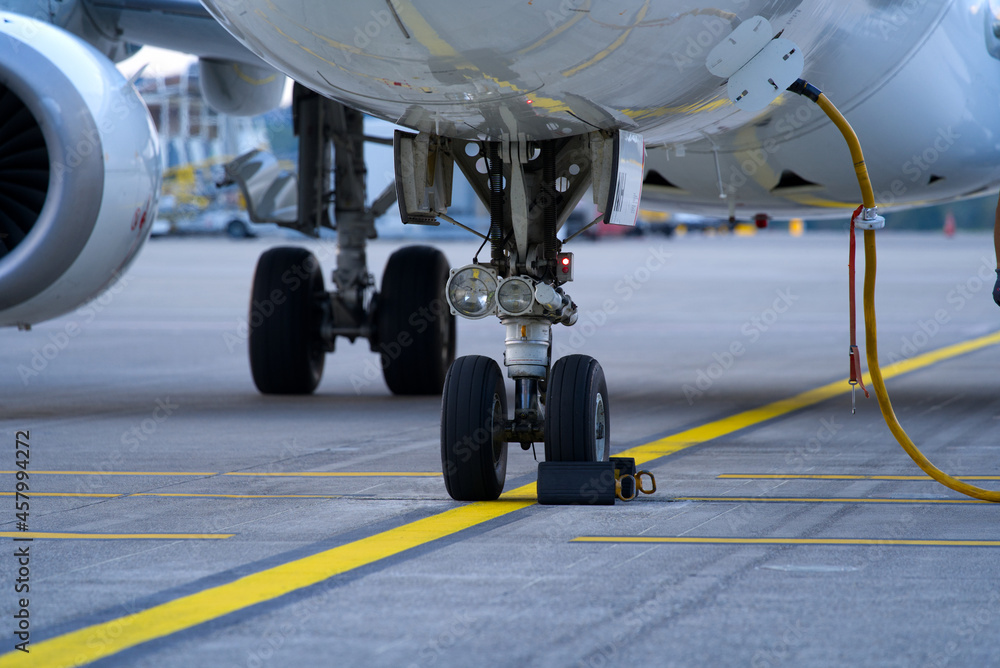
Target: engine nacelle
[[239, 89], [79, 171]]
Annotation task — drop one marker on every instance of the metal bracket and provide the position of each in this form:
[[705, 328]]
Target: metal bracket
[[424, 170]]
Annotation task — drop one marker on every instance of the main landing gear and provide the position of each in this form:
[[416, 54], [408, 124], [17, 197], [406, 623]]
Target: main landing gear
[[530, 188], [293, 320]]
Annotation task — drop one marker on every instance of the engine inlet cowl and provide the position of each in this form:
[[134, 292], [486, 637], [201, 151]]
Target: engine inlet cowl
[[79, 171]]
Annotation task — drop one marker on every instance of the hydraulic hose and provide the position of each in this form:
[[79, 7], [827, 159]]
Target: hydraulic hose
[[885, 405]]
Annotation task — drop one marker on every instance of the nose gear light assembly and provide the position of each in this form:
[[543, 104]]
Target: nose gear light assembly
[[474, 292]]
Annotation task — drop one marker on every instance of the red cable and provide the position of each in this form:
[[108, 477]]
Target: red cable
[[855, 361]]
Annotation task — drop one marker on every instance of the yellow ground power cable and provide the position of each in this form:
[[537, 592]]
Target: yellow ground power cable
[[885, 405]]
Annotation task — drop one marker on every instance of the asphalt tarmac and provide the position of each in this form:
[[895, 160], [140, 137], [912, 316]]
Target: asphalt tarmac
[[179, 518]]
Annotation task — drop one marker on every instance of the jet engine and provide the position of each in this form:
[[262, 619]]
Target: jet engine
[[79, 171]]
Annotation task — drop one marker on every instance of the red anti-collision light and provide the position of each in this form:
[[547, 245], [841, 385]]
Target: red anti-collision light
[[565, 262]]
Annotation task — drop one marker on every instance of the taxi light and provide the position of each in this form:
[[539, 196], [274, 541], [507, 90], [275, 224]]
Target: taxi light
[[471, 291], [515, 296]]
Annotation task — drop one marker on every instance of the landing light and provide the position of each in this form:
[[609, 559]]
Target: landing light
[[472, 291]]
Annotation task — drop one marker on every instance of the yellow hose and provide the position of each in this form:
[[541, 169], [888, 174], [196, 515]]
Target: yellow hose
[[871, 342], [860, 169], [883, 396]]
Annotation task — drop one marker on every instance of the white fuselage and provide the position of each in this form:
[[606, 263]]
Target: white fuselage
[[916, 78]]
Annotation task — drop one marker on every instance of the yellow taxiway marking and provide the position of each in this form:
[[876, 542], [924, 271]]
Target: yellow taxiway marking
[[280, 474], [70, 494], [342, 474], [105, 639], [837, 476], [139, 473], [785, 541], [237, 496], [795, 499], [195, 495], [675, 442], [113, 536], [101, 640]]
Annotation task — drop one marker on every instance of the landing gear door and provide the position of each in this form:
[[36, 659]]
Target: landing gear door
[[424, 169], [618, 179]]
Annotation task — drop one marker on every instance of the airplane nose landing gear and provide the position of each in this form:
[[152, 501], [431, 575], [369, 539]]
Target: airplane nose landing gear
[[530, 188], [566, 407]]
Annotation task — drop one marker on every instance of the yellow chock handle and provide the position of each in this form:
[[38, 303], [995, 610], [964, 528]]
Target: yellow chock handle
[[638, 482], [618, 487]]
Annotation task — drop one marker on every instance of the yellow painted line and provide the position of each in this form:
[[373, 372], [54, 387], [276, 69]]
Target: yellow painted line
[[675, 442], [425, 34], [348, 48], [106, 639], [612, 47], [285, 474], [102, 640], [238, 496], [126, 495], [795, 499], [341, 474], [837, 476], [785, 541], [580, 13], [114, 536], [177, 473], [69, 494]]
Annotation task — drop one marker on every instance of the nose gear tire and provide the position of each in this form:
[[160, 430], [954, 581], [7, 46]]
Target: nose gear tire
[[473, 418], [577, 416]]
